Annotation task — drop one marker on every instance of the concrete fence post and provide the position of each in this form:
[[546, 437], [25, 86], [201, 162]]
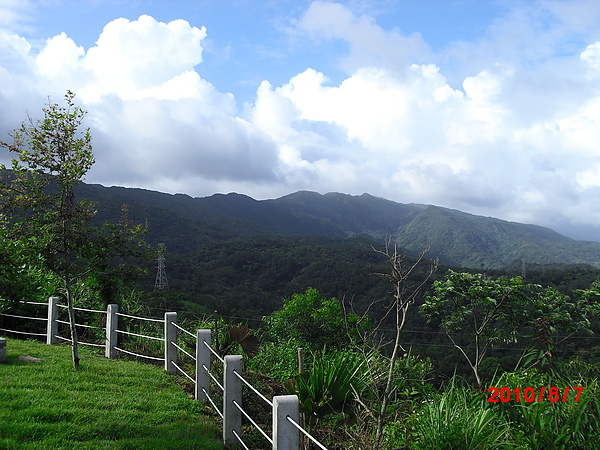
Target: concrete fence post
[[170, 338], [112, 325], [52, 328], [285, 435], [202, 360], [232, 416]]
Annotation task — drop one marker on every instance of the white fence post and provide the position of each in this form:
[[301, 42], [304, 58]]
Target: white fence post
[[170, 338], [232, 416], [112, 325], [52, 328], [285, 435], [202, 360]]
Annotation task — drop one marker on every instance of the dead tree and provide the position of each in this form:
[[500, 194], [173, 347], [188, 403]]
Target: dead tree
[[400, 275]]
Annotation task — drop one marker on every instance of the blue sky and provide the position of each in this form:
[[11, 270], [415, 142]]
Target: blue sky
[[249, 41], [490, 107]]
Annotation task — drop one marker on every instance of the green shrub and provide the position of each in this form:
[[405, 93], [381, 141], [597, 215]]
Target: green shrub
[[458, 418], [328, 387], [315, 320], [555, 424], [278, 360]]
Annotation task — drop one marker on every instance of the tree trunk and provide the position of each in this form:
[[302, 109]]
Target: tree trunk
[[401, 311], [73, 328]]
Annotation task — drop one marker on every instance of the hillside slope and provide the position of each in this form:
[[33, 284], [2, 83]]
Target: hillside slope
[[457, 238]]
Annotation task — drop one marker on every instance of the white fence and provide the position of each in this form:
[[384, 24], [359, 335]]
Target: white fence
[[285, 432]]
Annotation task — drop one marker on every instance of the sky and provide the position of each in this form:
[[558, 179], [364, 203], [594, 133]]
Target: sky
[[491, 107]]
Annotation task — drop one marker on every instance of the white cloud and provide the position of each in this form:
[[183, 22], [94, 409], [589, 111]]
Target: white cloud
[[152, 116], [14, 14], [60, 54], [369, 45], [591, 57], [516, 142], [131, 57]]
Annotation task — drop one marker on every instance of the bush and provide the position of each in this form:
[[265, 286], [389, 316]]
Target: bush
[[312, 319], [555, 424], [278, 360], [328, 387], [458, 418]]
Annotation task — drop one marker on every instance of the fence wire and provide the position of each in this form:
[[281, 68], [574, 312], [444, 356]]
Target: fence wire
[[212, 403], [82, 325], [243, 380], [140, 335], [183, 350], [237, 436], [25, 317], [305, 433], [89, 344], [183, 329], [140, 318], [212, 377], [257, 426], [22, 332], [212, 350], [183, 372], [139, 355]]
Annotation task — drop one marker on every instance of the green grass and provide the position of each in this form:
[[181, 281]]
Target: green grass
[[104, 405]]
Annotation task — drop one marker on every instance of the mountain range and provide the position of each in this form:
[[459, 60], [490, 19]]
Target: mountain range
[[459, 239]]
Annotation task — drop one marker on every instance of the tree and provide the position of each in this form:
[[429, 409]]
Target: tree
[[53, 156], [312, 319], [22, 272], [404, 295], [407, 285], [556, 317], [486, 310]]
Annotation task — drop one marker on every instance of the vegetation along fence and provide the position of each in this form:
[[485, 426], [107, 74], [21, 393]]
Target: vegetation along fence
[[208, 385]]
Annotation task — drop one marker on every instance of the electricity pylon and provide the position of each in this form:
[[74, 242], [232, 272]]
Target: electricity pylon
[[161, 274]]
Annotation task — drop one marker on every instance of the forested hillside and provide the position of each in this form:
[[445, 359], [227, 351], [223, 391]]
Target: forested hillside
[[244, 280], [459, 239]]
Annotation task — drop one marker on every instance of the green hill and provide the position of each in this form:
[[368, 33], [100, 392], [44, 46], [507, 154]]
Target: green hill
[[460, 239]]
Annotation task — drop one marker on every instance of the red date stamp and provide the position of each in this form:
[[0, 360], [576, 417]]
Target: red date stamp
[[530, 394]]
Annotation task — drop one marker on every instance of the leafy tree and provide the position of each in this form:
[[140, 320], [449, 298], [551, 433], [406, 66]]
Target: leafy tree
[[53, 156], [22, 273], [312, 319], [588, 304], [557, 317], [486, 310]]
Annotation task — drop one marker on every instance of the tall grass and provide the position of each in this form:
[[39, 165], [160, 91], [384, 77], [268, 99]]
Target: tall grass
[[458, 419], [103, 405]]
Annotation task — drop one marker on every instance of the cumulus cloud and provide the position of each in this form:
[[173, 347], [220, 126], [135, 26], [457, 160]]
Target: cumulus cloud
[[153, 117], [132, 57]]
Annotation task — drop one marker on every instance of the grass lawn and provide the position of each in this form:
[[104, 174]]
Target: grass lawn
[[104, 405]]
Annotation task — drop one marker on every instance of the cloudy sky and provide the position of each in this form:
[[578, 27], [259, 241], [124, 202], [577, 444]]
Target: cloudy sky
[[490, 107]]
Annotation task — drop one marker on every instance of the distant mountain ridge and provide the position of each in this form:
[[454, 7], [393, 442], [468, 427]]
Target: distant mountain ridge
[[457, 238]]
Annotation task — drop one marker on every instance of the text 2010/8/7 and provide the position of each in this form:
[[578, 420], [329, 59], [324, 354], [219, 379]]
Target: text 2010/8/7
[[530, 394]]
